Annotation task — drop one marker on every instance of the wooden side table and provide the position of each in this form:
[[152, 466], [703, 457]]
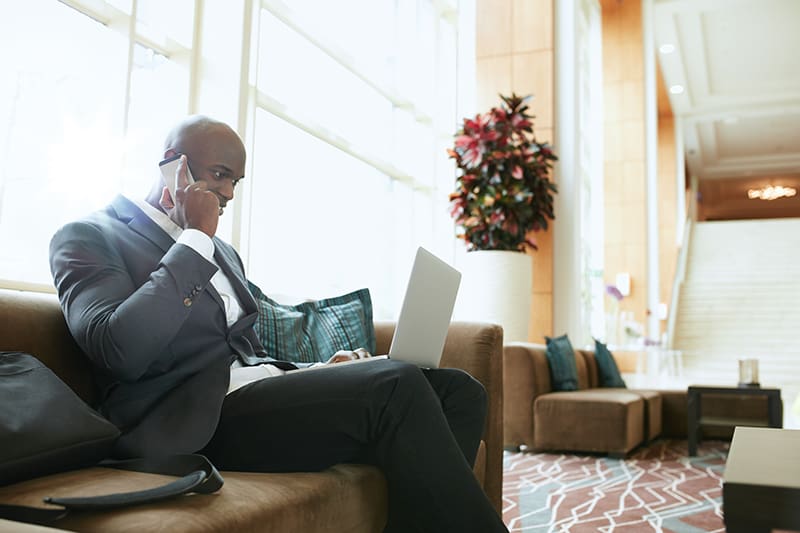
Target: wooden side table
[[695, 418]]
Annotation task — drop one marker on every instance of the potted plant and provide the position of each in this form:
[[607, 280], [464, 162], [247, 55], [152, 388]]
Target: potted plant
[[503, 194], [503, 188]]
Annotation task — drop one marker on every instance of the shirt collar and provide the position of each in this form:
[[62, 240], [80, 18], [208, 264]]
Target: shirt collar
[[159, 217]]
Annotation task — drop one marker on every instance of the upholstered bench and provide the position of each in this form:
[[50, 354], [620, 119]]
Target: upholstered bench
[[608, 421]]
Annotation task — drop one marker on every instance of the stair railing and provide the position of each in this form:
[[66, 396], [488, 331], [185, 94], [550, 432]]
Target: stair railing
[[677, 283]]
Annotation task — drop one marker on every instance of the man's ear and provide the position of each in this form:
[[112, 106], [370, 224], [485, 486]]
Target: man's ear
[[170, 152]]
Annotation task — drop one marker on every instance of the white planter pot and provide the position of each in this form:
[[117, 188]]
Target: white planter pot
[[496, 286]]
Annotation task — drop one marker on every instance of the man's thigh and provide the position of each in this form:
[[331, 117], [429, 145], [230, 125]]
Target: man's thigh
[[308, 420]]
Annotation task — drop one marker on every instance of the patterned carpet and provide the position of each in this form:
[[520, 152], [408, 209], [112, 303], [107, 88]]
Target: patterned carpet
[[657, 488]]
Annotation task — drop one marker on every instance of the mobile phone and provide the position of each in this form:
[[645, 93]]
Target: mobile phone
[[168, 168]]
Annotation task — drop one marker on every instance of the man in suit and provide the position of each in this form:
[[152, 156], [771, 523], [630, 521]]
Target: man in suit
[[161, 307]]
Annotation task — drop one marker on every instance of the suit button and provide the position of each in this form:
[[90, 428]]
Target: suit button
[[187, 302]]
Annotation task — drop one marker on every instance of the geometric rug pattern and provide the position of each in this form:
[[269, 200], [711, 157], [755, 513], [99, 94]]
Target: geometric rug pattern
[[657, 488]]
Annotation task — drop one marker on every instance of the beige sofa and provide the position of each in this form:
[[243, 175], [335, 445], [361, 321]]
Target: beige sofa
[[345, 498], [595, 419]]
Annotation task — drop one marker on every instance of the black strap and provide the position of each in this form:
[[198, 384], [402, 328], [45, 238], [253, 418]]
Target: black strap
[[197, 474]]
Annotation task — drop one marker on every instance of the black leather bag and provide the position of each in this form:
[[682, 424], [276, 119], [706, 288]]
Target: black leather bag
[[46, 428]]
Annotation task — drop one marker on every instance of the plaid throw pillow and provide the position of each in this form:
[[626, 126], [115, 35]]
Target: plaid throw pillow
[[561, 357], [313, 331]]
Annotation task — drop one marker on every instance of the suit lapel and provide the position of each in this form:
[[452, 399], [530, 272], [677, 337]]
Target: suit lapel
[[139, 222]]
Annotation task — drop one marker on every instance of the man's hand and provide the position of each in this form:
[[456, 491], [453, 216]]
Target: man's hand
[[347, 355], [194, 206]]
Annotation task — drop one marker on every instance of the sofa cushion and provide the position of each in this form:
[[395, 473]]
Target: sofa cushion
[[653, 418], [606, 367], [561, 357], [594, 420], [313, 331], [587, 369], [33, 323], [344, 498], [652, 421]]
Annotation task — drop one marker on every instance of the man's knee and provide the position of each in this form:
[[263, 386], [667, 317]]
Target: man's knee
[[472, 395], [458, 384], [471, 386], [400, 379]]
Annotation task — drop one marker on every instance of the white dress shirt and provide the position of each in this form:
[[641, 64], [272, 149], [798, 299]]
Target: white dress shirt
[[202, 244]]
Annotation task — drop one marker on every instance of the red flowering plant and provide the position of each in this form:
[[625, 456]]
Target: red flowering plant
[[503, 188]]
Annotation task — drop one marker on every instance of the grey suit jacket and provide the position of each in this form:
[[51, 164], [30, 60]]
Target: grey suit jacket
[[144, 311]]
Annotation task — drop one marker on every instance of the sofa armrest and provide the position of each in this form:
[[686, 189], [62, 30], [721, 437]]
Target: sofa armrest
[[477, 348], [526, 376], [32, 322]]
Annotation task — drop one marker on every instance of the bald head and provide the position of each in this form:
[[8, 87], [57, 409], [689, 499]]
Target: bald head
[[196, 131], [214, 151]]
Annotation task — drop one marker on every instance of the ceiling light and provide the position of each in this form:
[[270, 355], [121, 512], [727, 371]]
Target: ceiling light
[[771, 192], [666, 48], [676, 89]]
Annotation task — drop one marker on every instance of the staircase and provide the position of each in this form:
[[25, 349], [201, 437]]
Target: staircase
[[740, 297]]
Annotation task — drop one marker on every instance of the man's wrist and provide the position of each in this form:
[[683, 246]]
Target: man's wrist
[[197, 241]]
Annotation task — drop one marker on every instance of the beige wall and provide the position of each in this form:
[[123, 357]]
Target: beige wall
[[514, 50], [625, 202]]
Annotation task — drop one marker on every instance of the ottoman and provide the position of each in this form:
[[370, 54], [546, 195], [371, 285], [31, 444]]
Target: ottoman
[[607, 421]]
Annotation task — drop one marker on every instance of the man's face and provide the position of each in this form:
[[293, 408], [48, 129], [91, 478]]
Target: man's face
[[218, 158]]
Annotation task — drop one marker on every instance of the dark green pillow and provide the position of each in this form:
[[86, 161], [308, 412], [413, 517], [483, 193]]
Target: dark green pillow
[[561, 357], [607, 367], [313, 331]]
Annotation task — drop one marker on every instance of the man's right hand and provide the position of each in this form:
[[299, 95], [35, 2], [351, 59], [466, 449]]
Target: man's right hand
[[347, 355], [194, 206]]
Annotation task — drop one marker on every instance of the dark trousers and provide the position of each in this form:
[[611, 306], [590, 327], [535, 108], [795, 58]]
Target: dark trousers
[[422, 428]]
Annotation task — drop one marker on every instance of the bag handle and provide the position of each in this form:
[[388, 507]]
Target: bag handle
[[197, 474]]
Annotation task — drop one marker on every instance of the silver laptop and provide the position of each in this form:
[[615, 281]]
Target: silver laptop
[[424, 318], [427, 309]]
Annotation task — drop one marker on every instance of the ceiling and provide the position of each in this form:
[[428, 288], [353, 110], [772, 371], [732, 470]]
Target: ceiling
[[738, 62]]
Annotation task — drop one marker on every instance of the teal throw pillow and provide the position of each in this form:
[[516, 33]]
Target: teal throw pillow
[[561, 358], [313, 331], [607, 367]]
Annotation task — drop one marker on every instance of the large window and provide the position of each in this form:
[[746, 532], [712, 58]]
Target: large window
[[346, 108], [80, 98], [348, 156]]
